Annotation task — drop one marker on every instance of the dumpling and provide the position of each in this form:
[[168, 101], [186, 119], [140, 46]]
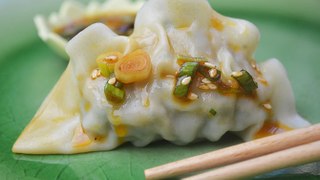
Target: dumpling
[[74, 16], [179, 77]]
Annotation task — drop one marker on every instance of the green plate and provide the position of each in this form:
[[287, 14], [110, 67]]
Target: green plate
[[290, 31]]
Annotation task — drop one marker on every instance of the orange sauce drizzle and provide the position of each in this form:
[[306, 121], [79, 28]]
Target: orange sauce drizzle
[[217, 24], [121, 130], [271, 128]]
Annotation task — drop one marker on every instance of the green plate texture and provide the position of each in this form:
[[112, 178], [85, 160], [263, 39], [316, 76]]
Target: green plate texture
[[290, 31]]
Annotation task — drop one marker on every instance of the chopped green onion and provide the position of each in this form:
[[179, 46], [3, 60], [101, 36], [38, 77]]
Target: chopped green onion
[[115, 93], [246, 81], [106, 63], [205, 72], [187, 71], [104, 69], [213, 112], [182, 58], [181, 90]]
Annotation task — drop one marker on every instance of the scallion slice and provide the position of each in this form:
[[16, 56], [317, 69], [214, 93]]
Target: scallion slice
[[188, 70], [246, 81], [107, 62], [115, 93], [181, 90], [213, 112], [182, 58]]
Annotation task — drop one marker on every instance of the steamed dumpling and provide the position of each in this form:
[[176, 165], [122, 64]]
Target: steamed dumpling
[[78, 117], [59, 28]]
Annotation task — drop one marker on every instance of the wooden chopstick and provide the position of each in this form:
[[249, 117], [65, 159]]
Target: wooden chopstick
[[291, 157], [236, 153]]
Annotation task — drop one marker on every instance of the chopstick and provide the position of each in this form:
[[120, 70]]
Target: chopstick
[[236, 153], [291, 157]]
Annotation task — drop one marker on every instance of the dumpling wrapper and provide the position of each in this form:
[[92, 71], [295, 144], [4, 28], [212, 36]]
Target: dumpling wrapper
[[77, 118]]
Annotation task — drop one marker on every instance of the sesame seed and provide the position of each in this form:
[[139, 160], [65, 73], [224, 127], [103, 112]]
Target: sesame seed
[[206, 81], [258, 69], [209, 65], [213, 73], [237, 74], [112, 81], [186, 81], [262, 80], [193, 97], [204, 87], [267, 106], [111, 58], [253, 65], [95, 74], [212, 86]]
